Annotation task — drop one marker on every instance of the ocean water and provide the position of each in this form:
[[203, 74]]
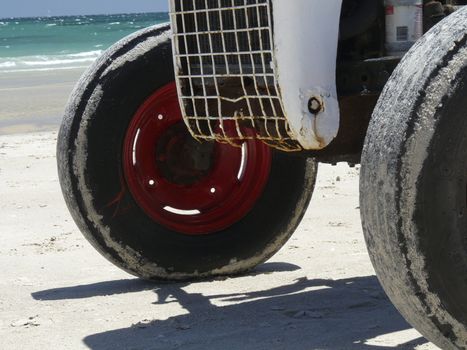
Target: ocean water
[[51, 43]]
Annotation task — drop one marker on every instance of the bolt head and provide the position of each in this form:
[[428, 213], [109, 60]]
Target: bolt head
[[315, 105]]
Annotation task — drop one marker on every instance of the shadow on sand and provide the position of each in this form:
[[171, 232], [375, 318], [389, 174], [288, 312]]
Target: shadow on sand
[[306, 314]]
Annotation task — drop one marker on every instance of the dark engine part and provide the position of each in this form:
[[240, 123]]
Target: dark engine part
[[363, 70], [358, 16], [362, 30], [435, 11]]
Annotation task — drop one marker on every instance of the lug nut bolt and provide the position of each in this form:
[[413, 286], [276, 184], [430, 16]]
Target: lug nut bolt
[[315, 105]]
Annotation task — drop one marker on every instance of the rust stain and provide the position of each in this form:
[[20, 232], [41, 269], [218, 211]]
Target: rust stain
[[117, 200], [320, 139]]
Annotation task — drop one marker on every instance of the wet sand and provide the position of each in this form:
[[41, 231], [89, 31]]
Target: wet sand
[[34, 101]]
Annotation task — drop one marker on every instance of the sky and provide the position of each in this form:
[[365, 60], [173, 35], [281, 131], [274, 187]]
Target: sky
[[39, 8]]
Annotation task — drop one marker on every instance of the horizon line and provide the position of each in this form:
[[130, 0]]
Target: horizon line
[[89, 14]]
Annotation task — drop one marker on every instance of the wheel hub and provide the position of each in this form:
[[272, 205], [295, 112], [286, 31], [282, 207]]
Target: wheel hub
[[181, 159], [189, 187]]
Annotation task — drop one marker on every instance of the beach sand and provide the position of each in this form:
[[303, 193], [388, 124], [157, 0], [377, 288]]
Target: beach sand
[[57, 292], [34, 101]]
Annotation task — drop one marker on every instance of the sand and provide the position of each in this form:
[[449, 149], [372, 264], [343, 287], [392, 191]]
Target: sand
[[34, 101], [57, 292]]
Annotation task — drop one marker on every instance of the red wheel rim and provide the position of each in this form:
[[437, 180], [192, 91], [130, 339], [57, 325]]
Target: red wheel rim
[[189, 187]]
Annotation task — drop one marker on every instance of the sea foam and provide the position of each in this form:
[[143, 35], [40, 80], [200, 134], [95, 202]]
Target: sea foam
[[58, 43], [44, 62]]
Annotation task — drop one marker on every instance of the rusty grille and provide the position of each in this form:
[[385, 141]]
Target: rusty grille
[[225, 72]]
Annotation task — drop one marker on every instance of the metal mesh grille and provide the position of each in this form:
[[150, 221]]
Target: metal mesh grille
[[225, 71]]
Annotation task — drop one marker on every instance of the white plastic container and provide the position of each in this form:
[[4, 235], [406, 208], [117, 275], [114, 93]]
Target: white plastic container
[[404, 25]]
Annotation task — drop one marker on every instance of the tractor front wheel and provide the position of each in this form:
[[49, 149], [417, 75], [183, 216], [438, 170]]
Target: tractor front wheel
[[152, 199]]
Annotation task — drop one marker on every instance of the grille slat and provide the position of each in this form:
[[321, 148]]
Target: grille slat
[[225, 71]]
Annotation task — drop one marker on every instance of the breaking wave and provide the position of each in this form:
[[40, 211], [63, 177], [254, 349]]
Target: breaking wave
[[42, 62]]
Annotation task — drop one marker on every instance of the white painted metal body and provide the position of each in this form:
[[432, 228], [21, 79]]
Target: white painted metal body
[[306, 37], [297, 64]]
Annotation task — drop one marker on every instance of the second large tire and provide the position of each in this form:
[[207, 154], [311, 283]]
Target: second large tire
[[414, 185]]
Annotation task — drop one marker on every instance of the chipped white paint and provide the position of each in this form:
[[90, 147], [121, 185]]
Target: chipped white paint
[[305, 37]]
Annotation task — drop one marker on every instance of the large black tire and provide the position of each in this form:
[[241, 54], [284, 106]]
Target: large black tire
[[89, 155], [414, 181]]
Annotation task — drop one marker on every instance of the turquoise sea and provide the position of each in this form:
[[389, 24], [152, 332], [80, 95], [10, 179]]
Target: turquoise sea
[[51, 43]]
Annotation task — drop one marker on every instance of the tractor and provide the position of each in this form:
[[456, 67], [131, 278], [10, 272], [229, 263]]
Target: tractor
[[189, 150]]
